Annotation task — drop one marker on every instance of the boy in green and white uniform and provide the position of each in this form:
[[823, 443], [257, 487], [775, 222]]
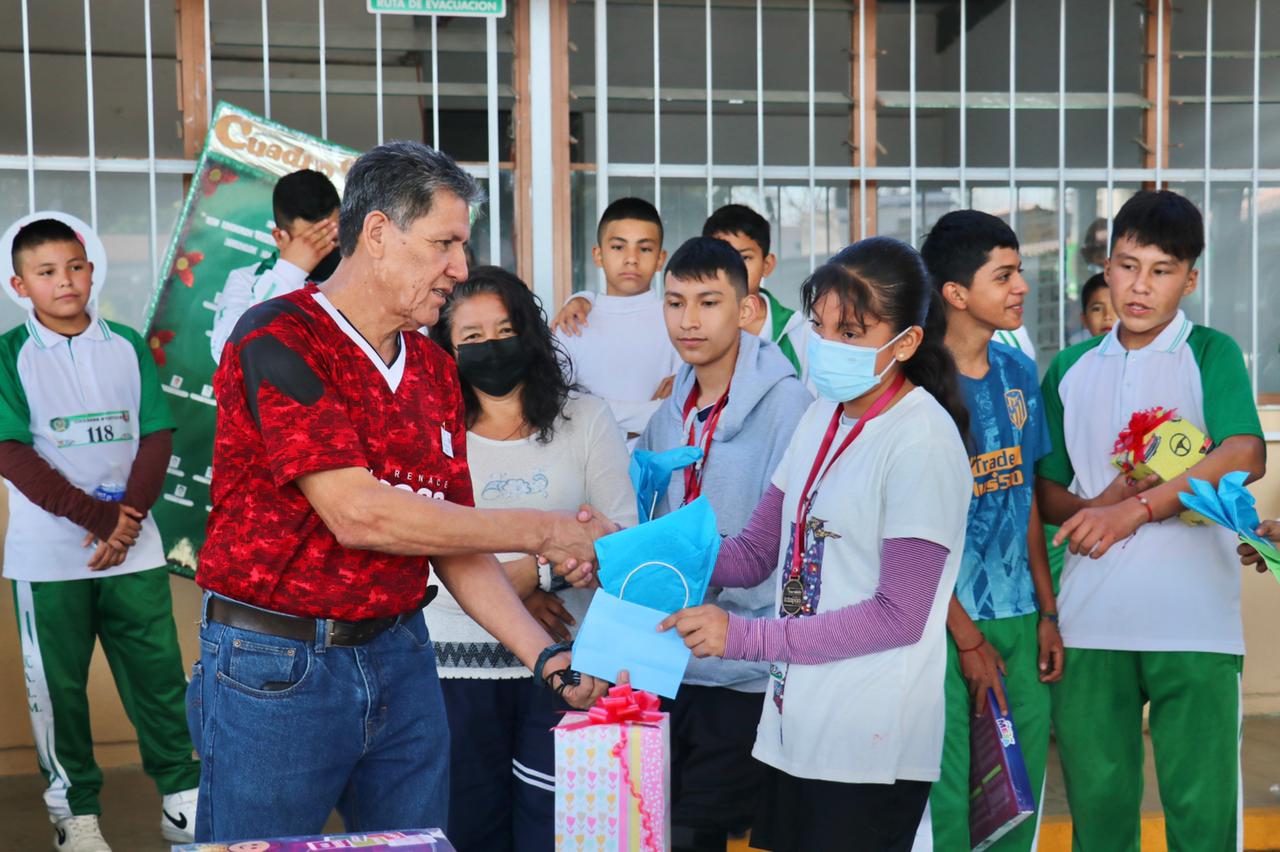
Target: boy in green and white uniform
[[748, 232], [1150, 607], [81, 413]]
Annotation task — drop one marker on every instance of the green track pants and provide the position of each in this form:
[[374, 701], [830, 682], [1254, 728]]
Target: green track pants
[[1195, 733], [132, 615], [1016, 640]]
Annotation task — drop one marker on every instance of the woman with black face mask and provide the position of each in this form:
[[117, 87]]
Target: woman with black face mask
[[533, 441]]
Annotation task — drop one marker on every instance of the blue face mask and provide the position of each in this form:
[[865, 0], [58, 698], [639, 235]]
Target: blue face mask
[[843, 371]]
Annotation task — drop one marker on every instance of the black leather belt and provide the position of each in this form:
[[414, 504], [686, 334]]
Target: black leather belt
[[345, 634]]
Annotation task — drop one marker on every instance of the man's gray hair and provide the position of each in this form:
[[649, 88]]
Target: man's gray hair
[[401, 179]]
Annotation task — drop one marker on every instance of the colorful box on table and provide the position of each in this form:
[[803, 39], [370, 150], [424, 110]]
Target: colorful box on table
[[613, 776], [1000, 795], [1158, 441], [409, 840]]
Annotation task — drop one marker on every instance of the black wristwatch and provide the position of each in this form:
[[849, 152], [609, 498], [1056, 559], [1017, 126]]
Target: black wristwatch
[[547, 653]]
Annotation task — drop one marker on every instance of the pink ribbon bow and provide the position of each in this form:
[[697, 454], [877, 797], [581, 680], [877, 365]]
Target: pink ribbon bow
[[625, 706]]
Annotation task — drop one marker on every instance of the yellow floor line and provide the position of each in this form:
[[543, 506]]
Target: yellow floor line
[[1261, 831]]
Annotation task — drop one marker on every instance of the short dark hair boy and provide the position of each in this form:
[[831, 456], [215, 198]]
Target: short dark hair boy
[[37, 233], [1004, 583], [961, 242], [629, 208], [109, 426], [703, 258], [1150, 605], [748, 232], [624, 356], [1164, 219], [739, 219], [305, 194], [738, 400], [305, 207]]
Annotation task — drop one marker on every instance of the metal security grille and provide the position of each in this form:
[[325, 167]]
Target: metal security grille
[[219, 47], [839, 118], [964, 183]]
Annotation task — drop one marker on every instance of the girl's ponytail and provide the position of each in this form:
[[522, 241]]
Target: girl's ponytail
[[933, 368]]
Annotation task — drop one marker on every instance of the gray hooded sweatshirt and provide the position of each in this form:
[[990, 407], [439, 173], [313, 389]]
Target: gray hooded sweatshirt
[[766, 401]]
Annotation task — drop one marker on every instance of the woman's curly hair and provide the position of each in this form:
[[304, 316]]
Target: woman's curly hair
[[546, 383]]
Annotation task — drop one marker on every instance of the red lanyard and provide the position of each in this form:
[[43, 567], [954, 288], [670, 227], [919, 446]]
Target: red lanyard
[[814, 480], [693, 473]]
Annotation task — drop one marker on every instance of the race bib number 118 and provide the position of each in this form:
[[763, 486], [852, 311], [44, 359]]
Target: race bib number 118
[[82, 430]]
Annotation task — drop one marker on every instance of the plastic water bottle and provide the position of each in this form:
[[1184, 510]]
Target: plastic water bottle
[[112, 488]]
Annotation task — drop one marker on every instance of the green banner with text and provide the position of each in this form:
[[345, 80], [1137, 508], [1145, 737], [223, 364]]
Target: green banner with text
[[225, 225]]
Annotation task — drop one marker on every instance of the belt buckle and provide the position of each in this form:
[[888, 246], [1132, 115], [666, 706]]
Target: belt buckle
[[329, 627]]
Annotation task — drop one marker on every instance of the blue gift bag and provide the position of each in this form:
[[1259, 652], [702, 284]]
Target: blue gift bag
[[646, 573], [618, 634]]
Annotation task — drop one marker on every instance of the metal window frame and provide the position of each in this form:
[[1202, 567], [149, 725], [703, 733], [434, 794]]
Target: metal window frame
[[861, 173]]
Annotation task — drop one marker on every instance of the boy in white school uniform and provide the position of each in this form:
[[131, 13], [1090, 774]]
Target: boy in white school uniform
[[748, 232], [1150, 606], [624, 356], [305, 208], [81, 414]]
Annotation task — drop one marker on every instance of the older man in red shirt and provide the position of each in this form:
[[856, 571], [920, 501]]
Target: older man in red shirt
[[339, 468]]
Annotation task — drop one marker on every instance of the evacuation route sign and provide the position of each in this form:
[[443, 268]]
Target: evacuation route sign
[[459, 8], [226, 224]]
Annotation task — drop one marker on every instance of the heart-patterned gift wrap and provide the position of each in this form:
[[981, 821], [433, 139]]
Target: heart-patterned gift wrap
[[613, 777]]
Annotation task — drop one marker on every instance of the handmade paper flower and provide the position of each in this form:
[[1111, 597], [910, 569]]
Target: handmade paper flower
[[184, 264], [158, 339]]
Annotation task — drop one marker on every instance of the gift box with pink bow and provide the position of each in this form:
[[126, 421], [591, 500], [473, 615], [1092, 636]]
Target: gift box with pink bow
[[613, 776]]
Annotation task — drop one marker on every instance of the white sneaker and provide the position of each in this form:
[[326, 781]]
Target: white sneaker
[[78, 834], [178, 816]]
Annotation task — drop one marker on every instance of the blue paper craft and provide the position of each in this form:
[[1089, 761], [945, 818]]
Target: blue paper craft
[[1232, 506], [666, 564], [651, 475], [618, 634]]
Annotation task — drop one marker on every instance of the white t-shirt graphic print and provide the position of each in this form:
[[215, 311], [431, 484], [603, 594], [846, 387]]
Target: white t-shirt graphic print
[[876, 718]]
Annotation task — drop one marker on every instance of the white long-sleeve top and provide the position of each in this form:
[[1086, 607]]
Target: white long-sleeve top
[[246, 287], [622, 356]]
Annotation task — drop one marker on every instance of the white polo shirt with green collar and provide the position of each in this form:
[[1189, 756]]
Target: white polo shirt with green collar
[[1171, 587], [83, 402]]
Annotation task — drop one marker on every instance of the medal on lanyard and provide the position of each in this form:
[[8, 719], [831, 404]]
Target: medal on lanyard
[[793, 588], [693, 473]]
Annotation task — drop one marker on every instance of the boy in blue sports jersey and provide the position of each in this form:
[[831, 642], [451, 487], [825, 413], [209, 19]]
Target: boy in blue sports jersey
[[1003, 618]]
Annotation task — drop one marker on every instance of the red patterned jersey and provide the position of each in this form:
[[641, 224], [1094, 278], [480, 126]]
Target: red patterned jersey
[[302, 391]]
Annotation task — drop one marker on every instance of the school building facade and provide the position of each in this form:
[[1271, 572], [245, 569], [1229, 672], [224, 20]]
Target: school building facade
[[836, 119]]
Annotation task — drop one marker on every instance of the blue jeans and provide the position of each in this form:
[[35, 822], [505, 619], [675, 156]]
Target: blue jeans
[[289, 730]]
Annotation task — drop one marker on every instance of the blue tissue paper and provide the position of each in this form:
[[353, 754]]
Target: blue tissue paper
[[664, 564], [651, 475]]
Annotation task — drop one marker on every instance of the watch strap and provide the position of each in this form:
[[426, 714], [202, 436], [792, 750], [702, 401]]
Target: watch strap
[[547, 653]]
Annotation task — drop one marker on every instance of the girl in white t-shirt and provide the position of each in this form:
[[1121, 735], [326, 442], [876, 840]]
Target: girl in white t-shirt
[[852, 725], [532, 443]]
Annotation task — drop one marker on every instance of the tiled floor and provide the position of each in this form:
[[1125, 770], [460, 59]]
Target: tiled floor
[[131, 807]]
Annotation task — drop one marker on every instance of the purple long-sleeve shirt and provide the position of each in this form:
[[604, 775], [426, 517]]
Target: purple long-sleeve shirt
[[895, 616]]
